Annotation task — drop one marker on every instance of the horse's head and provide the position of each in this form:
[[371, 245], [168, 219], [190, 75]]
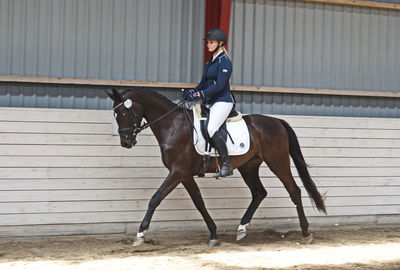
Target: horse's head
[[129, 115]]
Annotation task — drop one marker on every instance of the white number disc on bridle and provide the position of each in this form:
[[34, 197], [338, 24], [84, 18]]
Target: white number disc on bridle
[[128, 103]]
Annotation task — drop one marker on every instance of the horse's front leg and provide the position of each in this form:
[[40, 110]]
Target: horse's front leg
[[172, 180], [194, 192]]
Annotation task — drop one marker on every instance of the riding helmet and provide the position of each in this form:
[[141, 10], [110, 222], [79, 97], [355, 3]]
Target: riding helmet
[[216, 34]]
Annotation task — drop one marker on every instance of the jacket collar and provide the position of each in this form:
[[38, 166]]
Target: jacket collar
[[218, 56]]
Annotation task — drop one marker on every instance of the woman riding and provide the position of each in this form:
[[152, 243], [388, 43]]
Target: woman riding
[[215, 90]]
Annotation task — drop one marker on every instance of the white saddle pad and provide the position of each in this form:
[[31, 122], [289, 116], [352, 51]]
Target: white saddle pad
[[239, 133]]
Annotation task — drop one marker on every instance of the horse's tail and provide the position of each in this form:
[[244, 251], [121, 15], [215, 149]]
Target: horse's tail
[[301, 165]]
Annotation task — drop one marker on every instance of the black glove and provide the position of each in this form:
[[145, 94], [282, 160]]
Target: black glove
[[185, 93], [193, 95]]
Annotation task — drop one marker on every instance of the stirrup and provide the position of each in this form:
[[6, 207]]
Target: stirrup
[[219, 174]]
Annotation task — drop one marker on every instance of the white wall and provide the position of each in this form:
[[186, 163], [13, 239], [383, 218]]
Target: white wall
[[63, 173]]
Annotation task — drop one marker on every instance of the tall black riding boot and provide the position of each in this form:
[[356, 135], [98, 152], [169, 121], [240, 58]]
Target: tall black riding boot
[[220, 145]]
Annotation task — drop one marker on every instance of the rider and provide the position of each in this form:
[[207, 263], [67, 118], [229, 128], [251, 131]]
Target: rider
[[215, 90]]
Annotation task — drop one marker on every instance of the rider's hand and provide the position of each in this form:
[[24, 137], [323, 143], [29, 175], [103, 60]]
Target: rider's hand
[[185, 93], [193, 95]]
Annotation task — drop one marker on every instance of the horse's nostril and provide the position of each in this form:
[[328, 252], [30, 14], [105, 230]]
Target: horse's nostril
[[126, 144]]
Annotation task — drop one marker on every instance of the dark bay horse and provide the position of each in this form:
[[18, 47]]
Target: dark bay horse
[[272, 141]]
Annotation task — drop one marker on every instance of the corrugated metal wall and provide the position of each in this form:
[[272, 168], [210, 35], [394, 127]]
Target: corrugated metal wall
[[93, 97], [293, 104], [156, 40], [297, 44], [273, 43], [386, 1], [53, 96]]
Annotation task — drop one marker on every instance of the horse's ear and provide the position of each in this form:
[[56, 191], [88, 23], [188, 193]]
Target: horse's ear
[[109, 94], [117, 95], [115, 92]]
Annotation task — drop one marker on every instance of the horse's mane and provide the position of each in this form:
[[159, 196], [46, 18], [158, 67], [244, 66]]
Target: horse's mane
[[152, 92]]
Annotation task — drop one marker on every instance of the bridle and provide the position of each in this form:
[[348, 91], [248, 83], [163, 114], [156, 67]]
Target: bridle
[[134, 129]]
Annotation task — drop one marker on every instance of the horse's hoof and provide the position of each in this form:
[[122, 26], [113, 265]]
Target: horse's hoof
[[138, 242], [308, 240], [213, 243], [242, 231], [241, 235]]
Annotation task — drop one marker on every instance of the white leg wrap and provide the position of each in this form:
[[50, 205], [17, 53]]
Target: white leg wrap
[[140, 234], [243, 228], [139, 240]]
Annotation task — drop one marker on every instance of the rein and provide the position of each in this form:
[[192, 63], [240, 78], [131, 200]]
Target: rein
[[146, 125], [136, 130]]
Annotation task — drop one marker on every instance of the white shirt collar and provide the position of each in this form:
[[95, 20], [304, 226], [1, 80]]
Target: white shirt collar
[[217, 55]]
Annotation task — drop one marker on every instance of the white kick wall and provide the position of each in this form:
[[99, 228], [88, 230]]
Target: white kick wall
[[63, 173]]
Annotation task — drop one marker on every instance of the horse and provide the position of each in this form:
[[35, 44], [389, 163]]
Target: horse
[[272, 141]]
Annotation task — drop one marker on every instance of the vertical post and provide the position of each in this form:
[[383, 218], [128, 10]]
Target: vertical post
[[225, 16], [218, 15]]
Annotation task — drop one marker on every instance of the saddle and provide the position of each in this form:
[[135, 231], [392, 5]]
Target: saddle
[[202, 114]]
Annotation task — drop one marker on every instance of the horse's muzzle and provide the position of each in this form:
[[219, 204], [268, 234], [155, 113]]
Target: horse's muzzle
[[128, 142]]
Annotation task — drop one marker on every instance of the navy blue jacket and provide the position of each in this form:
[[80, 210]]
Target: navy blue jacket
[[214, 84]]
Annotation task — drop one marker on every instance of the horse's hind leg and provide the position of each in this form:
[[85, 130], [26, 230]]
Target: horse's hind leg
[[279, 163], [194, 192], [249, 172]]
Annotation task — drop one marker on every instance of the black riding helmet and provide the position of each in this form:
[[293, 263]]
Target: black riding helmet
[[216, 34]]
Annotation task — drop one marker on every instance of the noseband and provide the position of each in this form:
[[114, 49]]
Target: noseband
[[133, 130]]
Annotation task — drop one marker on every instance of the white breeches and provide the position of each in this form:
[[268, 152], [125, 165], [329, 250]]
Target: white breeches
[[218, 114]]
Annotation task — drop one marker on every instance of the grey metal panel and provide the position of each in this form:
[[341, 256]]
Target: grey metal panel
[[53, 96], [93, 97], [156, 40], [298, 44], [265, 103], [280, 43], [4, 36], [386, 1]]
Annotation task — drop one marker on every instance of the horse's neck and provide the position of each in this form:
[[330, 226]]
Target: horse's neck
[[155, 107], [154, 110]]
